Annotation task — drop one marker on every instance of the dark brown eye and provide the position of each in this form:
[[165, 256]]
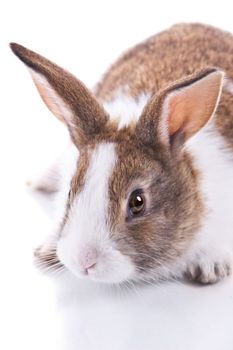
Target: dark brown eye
[[136, 203]]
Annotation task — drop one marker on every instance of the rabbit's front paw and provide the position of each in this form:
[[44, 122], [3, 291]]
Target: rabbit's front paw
[[209, 269]]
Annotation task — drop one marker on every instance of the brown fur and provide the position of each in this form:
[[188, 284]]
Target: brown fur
[[78, 180], [174, 204], [168, 56]]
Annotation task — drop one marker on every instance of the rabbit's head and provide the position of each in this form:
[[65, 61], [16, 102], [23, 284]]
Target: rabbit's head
[[134, 203]]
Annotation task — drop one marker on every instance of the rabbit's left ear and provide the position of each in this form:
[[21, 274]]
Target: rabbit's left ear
[[66, 97], [182, 109]]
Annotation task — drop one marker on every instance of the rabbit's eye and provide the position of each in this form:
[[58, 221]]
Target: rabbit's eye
[[136, 203]]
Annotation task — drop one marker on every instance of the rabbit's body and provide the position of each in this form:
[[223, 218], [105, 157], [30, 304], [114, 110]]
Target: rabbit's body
[[148, 198]]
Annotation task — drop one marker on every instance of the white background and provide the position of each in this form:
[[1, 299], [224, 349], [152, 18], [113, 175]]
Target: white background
[[84, 37]]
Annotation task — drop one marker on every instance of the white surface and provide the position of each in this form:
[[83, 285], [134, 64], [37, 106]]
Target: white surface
[[167, 317], [85, 37]]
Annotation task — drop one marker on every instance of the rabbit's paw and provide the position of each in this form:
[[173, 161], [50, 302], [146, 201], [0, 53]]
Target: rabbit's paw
[[207, 269]]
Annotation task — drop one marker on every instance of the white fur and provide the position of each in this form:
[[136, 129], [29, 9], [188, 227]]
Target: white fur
[[214, 242], [86, 235], [228, 85], [125, 108]]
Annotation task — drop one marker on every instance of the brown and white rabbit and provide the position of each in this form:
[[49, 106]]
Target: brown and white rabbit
[[151, 194]]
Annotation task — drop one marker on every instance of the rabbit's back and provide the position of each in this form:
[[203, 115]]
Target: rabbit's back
[[168, 56]]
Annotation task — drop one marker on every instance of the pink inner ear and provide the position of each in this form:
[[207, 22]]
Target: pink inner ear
[[176, 119], [191, 107], [49, 96]]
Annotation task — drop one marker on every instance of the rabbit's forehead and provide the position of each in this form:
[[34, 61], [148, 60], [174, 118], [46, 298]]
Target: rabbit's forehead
[[90, 186], [108, 170], [104, 176], [94, 168]]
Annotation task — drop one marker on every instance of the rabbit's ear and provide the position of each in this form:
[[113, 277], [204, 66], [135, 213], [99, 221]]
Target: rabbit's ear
[[66, 97], [181, 110]]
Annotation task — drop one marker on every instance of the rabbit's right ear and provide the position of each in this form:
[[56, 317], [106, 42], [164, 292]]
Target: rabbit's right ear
[[66, 97], [178, 112]]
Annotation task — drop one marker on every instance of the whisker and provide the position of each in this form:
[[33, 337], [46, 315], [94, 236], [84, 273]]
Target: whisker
[[47, 261]]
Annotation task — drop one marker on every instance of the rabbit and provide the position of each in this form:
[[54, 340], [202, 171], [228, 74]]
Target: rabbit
[[148, 193]]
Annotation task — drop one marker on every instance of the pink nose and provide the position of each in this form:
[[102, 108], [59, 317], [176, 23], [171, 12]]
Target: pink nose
[[88, 259], [89, 264]]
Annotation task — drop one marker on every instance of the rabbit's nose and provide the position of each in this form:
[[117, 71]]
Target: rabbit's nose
[[88, 259]]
